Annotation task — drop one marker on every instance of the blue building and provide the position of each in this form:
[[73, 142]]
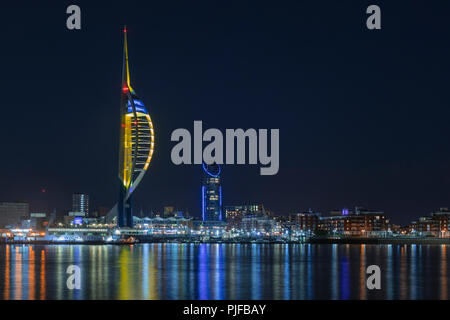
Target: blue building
[[211, 193]]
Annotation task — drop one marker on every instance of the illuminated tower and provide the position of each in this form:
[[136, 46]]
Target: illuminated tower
[[137, 141], [211, 193]]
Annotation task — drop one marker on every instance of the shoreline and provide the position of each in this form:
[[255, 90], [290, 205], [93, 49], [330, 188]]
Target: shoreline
[[398, 241], [357, 241]]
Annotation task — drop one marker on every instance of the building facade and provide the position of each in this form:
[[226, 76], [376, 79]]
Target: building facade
[[360, 223], [39, 221], [443, 219], [80, 203], [235, 214], [12, 212], [306, 222], [435, 225], [211, 193], [259, 225], [165, 226]]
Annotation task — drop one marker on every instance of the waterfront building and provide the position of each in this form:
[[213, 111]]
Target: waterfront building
[[76, 214], [39, 221], [332, 224], [436, 225], [136, 145], [57, 234], [80, 203], [305, 222], [74, 217], [442, 218], [73, 220], [425, 227], [5, 233], [12, 212], [21, 234], [25, 223], [235, 214], [165, 226], [360, 223], [259, 226], [211, 193], [210, 229]]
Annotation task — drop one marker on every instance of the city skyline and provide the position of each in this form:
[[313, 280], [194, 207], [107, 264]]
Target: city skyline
[[343, 142], [225, 159]]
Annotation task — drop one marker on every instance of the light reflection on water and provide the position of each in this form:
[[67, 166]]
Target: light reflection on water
[[224, 271]]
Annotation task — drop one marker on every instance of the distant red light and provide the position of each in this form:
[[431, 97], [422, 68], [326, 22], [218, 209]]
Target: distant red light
[[43, 190], [125, 89]]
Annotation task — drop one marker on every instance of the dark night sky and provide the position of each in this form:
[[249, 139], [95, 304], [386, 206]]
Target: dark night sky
[[363, 115]]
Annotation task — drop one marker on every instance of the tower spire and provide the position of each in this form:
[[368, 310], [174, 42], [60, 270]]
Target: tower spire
[[136, 144], [125, 68]]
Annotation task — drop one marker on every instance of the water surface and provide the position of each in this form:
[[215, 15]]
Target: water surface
[[224, 271]]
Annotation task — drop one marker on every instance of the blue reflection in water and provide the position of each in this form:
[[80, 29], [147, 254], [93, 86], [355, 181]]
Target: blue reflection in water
[[397, 270], [310, 273], [255, 271], [203, 283], [389, 272], [174, 284], [345, 278], [219, 273], [334, 272], [145, 271], [301, 285], [287, 274], [237, 283], [192, 292]]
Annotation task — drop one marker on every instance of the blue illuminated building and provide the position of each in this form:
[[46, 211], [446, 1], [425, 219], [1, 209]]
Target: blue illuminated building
[[211, 193]]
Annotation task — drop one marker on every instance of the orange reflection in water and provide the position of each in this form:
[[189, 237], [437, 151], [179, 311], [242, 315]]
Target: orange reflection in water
[[18, 275], [443, 272], [362, 275], [42, 280], [403, 273], [7, 275], [153, 276], [31, 275]]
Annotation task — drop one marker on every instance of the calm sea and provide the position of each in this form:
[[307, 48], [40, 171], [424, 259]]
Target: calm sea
[[224, 271]]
